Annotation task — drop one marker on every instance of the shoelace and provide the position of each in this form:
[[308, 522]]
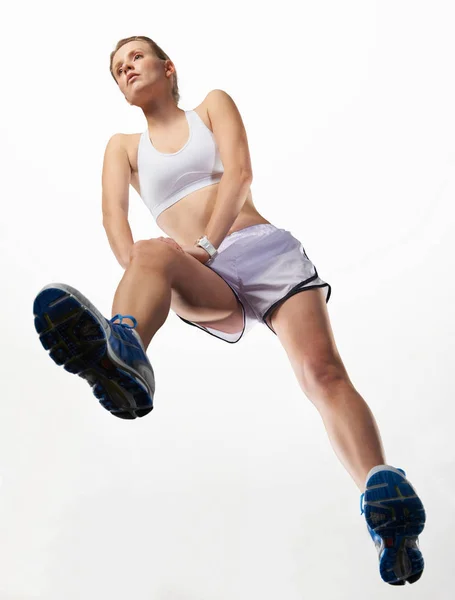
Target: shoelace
[[121, 317]]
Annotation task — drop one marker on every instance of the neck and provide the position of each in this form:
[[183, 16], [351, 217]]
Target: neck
[[162, 116]]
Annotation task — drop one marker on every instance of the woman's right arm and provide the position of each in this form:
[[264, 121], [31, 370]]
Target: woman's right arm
[[115, 198], [120, 238]]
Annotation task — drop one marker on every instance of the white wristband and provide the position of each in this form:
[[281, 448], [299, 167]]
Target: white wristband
[[203, 242]]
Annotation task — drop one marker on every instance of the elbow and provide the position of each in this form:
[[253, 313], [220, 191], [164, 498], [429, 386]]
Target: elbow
[[241, 175], [246, 176]]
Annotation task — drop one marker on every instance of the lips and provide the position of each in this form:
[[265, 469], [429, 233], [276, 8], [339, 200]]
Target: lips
[[132, 77]]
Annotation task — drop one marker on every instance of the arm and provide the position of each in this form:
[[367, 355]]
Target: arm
[[115, 198], [120, 238], [233, 189], [231, 196]]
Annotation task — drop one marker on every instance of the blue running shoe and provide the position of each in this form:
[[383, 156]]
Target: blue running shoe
[[395, 518], [110, 356]]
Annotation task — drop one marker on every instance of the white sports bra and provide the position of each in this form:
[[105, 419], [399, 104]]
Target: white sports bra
[[164, 179]]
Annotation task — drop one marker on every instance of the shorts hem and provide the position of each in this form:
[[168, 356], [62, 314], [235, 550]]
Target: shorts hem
[[221, 332], [300, 287]]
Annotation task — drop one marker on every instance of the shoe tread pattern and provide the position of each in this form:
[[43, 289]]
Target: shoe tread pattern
[[76, 334], [395, 513]]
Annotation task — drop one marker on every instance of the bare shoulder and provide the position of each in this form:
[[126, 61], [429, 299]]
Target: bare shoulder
[[121, 140], [220, 105], [218, 98], [129, 142], [213, 100]]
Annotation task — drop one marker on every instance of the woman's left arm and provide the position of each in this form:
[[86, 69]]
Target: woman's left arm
[[232, 143], [232, 193]]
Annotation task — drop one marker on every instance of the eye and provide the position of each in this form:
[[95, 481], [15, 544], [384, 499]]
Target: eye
[[118, 72]]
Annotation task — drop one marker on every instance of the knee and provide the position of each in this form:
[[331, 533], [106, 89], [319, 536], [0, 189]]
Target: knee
[[321, 375], [154, 254]]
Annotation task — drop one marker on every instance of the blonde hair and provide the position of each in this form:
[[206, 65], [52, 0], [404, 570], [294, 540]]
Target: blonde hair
[[158, 52]]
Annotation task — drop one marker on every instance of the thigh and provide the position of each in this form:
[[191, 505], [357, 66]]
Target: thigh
[[197, 293], [303, 327]]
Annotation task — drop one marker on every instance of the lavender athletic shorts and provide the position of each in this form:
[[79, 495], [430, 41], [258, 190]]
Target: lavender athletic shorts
[[264, 266]]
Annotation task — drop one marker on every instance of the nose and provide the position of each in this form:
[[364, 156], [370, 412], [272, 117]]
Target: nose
[[127, 68]]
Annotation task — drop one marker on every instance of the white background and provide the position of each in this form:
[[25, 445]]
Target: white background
[[230, 489]]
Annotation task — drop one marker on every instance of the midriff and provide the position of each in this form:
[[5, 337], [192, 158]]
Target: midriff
[[186, 220]]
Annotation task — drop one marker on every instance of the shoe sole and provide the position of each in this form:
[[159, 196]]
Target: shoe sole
[[395, 513], [77, 337]]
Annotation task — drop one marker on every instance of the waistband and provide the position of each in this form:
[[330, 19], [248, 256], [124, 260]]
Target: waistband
[[250, 231]]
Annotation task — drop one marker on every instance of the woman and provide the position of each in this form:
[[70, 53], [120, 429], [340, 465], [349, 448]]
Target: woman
[[223, 268]]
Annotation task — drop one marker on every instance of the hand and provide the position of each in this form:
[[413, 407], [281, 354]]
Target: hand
[[171, 242], [199, 253], [196, 251]]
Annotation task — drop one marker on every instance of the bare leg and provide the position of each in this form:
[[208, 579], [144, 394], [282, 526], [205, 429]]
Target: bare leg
[[351, 427], [145, 293], [303, 326], [160, 277]]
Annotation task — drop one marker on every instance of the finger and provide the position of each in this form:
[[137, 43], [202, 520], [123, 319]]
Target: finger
[[172, 243]]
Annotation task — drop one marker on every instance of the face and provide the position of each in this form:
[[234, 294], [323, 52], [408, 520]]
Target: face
[[153, 75]]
